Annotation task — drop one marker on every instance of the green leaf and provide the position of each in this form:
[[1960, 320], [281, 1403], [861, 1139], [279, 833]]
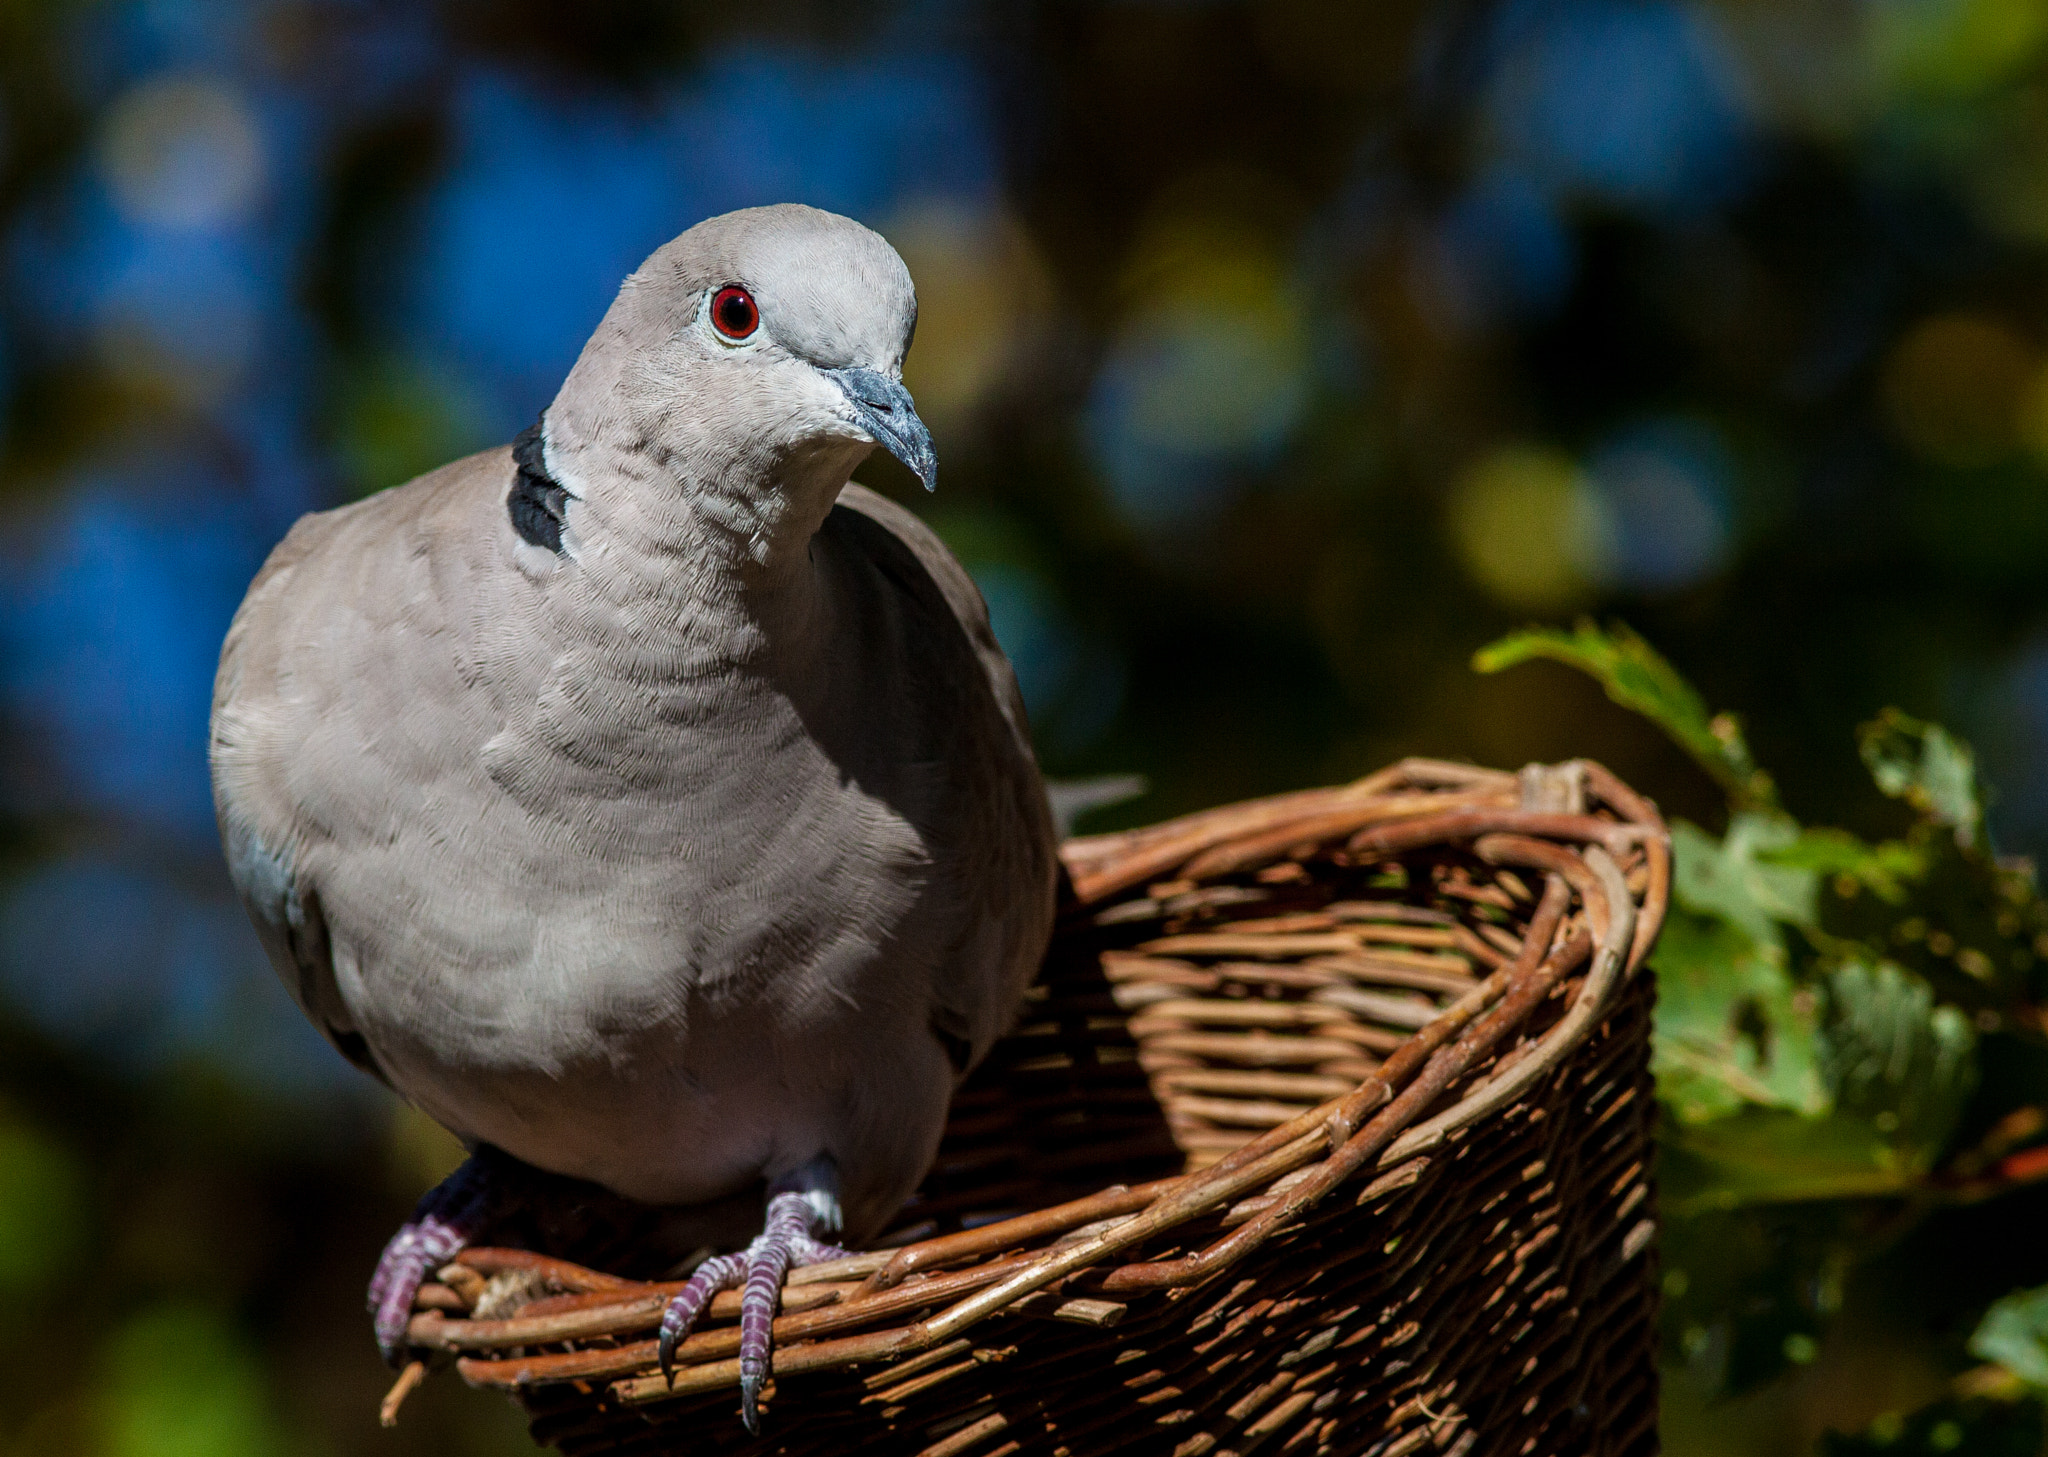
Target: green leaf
[[1883, 869], [1732, 1029], [2014, 1334], [1894, 1058], [1738, 878], [1763, 1156], [1638, 678], [1928, 767], [1896, 1070]]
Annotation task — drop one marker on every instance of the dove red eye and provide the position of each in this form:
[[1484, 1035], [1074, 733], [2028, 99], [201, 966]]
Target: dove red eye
[[733, 313]]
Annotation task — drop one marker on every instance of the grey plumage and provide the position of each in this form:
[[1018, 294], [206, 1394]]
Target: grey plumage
[[710, 842]]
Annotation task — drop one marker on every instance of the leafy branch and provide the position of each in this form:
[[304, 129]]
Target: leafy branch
[[1637, 677], [1823, 1006]]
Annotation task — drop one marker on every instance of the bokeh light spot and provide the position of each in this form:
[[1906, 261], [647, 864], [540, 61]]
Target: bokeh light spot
[[1954, 47], [140, 972], [2031, 415], [1954, 389], [112, 632], [1635, 104], [1529, 527], [182, 152], [1503, 252], [2011, 753], [420, 1152], [1663, 489], [1029, 625], [1023, 612], [40, 1196], [1210, 371], [179, 1382], [401, 416], [181, 324], [1073, 684], [980, 288]]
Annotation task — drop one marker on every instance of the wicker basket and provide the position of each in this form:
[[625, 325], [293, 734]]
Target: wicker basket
[[1326, 1130]]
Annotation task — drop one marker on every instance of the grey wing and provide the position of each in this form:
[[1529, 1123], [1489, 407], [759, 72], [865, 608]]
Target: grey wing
[[254, 825], [998, 840], [960, 593], [337, 650]]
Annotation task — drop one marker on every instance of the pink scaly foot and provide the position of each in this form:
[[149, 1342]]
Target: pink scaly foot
[[447, 1219], [800, 1205]]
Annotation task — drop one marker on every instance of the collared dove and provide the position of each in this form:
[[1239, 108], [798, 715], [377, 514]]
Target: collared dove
[[644, 801]]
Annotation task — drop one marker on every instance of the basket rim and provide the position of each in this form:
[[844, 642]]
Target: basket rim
[[1574, 824]]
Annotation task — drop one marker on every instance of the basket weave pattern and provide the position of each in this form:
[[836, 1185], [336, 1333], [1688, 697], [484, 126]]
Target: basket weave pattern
[[1326, 1130]]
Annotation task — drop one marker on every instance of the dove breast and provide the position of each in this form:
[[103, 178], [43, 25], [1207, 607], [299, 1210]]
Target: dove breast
[[622, 883]]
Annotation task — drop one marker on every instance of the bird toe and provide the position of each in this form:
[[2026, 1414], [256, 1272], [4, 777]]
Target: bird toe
[[787, 1241], [447, 1220], [721, 1272], [421, 1246]]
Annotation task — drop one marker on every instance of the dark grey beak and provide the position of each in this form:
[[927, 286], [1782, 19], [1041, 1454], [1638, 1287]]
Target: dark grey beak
[[885, 410]]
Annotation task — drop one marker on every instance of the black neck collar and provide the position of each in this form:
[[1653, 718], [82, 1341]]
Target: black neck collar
[[538, 500]]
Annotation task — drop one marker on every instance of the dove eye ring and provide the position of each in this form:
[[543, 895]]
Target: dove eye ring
[[734, 314]]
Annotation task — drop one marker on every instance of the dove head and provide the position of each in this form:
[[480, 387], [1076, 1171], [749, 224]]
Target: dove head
[[757, 357]]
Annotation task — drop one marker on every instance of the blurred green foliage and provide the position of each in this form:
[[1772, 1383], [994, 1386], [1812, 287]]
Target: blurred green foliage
[[400, 417], [179, 1380], [1979, 1428], [41, 1206], [2014, 1335], [1823, 1002]]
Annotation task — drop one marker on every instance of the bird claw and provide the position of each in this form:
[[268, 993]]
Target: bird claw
[[787, 1239], [422, 1245], [721, 1272], [444, 1223]]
